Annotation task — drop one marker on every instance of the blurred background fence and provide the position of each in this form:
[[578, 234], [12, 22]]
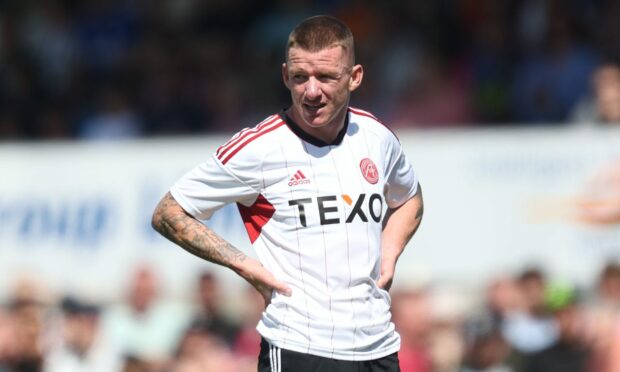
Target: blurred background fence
[[496, 201]]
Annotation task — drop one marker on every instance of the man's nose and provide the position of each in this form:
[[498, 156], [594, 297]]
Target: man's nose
[[313, 89]]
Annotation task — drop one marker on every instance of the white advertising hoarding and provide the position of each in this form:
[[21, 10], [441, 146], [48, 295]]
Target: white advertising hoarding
[[77, 215]]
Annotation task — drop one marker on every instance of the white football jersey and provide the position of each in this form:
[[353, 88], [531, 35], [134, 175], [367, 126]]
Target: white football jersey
[[313, 212]]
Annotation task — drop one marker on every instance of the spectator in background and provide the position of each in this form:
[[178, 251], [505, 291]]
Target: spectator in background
[[490, 57], [24, 328], [133, 364], [530, 328], [502, 297], [144, 327], [247, 342], [608, 286], [602, 105], [7, 345], [548, 82], [209, 312], [569, 353], [529, 59], [27, 318], [50, 42], [603, 318], [106, 31], [488, 352], [52, 123], [613, 357], [199, 351], [447, 347], [412, 315], [486, 346], [113, 118], [607, 27], [9, 126], [82, 347], [439, 97]]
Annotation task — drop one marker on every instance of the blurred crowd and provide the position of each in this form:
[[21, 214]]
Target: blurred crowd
[[122, 69], [524, 322], [145, 331]]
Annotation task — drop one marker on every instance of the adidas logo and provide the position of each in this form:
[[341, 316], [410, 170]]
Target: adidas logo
[[298, 179]]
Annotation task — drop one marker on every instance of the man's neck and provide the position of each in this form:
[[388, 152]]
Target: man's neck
[[326, 133]]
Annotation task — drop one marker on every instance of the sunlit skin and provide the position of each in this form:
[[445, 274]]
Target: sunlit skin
[[607, 90], [321, 83]]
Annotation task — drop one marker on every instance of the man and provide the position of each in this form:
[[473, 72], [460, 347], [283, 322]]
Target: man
[[571, 351], [83, 345], [601, 106], [311, 184]]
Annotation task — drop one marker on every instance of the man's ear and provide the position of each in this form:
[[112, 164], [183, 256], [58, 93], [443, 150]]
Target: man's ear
[[357, 73]]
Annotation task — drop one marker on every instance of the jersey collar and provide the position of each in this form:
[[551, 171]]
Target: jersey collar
[[310, 139]]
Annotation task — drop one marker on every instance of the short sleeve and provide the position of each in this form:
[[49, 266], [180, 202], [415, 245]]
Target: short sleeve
[[209, 187], [401, 179]]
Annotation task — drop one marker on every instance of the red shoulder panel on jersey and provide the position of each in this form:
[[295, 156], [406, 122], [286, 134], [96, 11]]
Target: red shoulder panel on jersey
[[256, 216], [239, 136], [227, 153]]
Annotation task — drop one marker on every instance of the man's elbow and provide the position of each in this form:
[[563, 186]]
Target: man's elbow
[[158, 219], [155, 220], [419, 200]]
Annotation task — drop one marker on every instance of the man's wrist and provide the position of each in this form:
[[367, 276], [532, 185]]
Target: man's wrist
[[242, 267], [391, 253]]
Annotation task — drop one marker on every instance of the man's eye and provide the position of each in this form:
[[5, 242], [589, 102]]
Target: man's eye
[[299, 78]]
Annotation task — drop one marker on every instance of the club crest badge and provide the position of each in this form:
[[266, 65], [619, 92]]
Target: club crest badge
[[369, 171]]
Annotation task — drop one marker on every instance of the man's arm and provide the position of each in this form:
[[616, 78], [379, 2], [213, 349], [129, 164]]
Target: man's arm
[[174, 223], [399, 226]]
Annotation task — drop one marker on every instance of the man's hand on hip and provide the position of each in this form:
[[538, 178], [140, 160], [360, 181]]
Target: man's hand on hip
[[260, 278]]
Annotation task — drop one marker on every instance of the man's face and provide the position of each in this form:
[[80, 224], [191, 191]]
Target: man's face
[[607, 89], [320, 84]]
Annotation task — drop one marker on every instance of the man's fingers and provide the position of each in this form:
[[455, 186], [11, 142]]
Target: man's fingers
[[388, 285], [283, 289], [277, 285], [266, 296], [266, 290], [384, 282], [265, 282], [381, 283]]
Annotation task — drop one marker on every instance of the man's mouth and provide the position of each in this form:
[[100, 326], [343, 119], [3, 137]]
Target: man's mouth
[[313, 107]]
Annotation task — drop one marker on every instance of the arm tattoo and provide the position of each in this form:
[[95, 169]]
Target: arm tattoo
[[171, 221]]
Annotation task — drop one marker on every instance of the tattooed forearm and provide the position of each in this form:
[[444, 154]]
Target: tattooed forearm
[[170, 220]]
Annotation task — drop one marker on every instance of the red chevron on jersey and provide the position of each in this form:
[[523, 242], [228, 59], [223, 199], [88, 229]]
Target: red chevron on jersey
[[221, 151], [298, 179], [237, 137], [231, 149]]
